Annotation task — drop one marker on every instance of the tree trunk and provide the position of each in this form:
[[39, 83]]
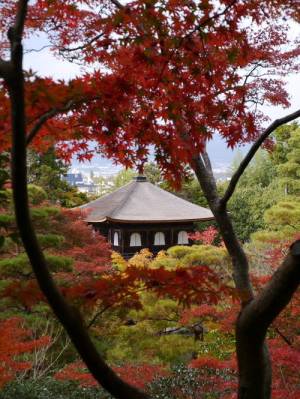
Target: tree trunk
[[254, 364], [12, 72], [257, 313]]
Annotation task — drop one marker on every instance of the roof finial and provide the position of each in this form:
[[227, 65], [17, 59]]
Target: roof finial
[[140, 178]]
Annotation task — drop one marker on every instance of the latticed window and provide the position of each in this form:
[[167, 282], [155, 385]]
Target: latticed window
[[183, 237], [135, 240], [159, 238]]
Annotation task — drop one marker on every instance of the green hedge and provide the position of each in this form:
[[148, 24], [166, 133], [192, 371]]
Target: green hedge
[[49, 388]]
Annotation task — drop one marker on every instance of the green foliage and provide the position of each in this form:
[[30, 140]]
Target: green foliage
[[44, 212], [265, 182], [45, 170], [50, 240], [153, 173], [289, 168], [166, 262], [179, 251], [185, 383], [196, 255], [247, 207], [260, 173], [4, 162], [281, 149], [145, 341], [265, 236], [59, 263], [191, 191], [285, 215], [6, 220], [72, 198], [141, 343], [208, 255], [281, 221], [49, 388], [20, 265], [150, 334], [4, 177], [123, 177], [36, 194]]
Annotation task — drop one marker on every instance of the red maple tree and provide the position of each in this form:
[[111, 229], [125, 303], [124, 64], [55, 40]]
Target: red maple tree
[[170, 75], [15, 341]]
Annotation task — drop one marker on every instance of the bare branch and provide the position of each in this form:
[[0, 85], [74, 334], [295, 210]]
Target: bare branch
[[117, 4], [236, 176], [93, 39], [44, 118], [37, 50], [98, 314], [52, 113], [82, 46], [213, 17], [286, 339]]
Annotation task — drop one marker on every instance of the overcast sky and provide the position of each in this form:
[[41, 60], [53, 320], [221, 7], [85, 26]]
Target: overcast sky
[[46, 64]]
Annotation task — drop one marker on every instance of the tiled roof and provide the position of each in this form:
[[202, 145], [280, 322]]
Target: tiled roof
[[140, 202]]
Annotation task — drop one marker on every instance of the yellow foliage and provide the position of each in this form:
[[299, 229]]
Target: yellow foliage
[[118, 261], [141, 259]]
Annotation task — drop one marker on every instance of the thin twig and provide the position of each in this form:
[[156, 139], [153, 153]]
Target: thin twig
[[286, 340]]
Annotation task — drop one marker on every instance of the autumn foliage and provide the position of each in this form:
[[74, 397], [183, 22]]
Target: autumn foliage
[[15, 341], [181, 72], [162, 77], [138, 375]]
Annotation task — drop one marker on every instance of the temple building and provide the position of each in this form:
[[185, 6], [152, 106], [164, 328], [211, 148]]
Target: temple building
[[142, 215]]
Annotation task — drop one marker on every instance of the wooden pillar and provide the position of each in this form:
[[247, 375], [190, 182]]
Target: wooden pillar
[[109, 235], [147, 240], [122, 240]]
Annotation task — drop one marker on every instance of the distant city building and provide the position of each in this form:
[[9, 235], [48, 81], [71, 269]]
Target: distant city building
[[82, 183], [73, 179], [142, 215], [88, 188]]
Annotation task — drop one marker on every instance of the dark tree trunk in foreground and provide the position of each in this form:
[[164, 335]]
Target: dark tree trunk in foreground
[[257, 313], [12, 72], [253, 322]]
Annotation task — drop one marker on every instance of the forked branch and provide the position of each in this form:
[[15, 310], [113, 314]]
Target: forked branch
[[243, 165], [267, 305], [52, 113]]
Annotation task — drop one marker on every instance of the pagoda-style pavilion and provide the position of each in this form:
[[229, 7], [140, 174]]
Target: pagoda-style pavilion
[[142, 215]]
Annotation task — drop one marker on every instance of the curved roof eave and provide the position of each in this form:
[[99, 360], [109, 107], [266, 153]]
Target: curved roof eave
[[108, 219]]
